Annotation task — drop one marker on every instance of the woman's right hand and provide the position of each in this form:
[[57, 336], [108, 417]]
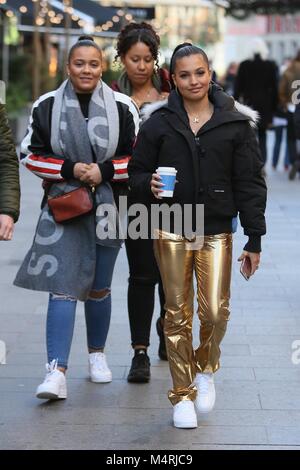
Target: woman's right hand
[[80, 169], [156, 185]]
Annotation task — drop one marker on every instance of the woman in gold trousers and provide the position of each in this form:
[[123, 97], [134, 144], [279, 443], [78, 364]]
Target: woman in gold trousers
[[209, 139]]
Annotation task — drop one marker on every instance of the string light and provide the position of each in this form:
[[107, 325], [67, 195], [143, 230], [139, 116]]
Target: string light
[[40, 21], [56, 18]]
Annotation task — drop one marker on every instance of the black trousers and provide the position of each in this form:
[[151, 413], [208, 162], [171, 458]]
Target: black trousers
[[291, 138], [262, 140], [143, 277]]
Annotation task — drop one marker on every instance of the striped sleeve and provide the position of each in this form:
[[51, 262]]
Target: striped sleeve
[[48, 168], [121, 171], [130, 130], [36, 154]]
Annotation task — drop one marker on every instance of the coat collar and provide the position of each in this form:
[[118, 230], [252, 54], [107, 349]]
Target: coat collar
[[226, 109]]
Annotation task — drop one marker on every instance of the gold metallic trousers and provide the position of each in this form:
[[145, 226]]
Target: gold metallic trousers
[[212, 266]]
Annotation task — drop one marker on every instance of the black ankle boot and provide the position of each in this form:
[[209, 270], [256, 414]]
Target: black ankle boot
[[295, 168], [140, 367], [162, 352]]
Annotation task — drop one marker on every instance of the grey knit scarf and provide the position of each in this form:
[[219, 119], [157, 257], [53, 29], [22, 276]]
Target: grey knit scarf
[[63, 256]]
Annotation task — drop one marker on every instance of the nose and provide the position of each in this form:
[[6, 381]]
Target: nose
[[141, 65], [193, 80], [86, 68]]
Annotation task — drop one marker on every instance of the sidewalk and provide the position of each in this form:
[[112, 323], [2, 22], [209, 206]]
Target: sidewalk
[[258, 399]]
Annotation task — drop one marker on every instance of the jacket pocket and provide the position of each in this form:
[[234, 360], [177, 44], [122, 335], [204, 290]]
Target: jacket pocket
[[219, 201]]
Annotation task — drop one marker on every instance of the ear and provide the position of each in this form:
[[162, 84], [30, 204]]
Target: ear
[[174, 79], [68, 69]]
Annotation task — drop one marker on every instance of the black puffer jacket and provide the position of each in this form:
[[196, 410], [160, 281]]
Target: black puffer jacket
[[9, 170], [220, 167]]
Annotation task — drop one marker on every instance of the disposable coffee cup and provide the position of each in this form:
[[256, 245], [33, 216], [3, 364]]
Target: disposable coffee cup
[[168, 178]]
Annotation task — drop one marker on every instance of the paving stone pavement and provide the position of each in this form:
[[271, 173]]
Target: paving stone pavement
[[258, 399]]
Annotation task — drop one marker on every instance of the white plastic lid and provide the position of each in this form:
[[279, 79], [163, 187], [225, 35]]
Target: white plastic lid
[[167, 169]]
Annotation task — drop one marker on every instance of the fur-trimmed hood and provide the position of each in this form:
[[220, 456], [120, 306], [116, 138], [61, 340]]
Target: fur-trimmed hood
[[219, 98]]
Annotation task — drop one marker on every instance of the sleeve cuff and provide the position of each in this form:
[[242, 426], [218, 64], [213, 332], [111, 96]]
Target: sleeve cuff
[[12, 214], [67, 169], [254, 244], [107, 170]]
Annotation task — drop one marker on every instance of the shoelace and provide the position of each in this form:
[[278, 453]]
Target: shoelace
[[51, 368], [100, 361]]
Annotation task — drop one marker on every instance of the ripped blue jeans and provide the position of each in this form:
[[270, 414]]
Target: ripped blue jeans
[[61, 311]]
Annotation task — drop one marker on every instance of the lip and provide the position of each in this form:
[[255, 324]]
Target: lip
[[195, 90], [86, 79], [140, 75]]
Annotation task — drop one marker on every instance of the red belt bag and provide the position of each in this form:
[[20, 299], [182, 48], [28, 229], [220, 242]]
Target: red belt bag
[[71, 205]]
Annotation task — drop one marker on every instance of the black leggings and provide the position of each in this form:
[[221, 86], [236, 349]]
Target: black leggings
[[143, 276]]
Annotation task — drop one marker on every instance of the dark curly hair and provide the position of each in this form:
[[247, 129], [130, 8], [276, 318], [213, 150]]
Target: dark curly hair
[[84, 41], [138, 32]]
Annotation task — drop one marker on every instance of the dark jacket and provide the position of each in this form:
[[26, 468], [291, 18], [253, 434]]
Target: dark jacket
[[257, 86], [36, 151], [9, 170], [220, 167]]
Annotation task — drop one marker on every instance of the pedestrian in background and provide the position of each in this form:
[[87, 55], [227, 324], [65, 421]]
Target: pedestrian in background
[[286, 91], [75, 132], [9, 179], [256, 85], [145, 83], [228, 82], [209, 140], [297, 121]]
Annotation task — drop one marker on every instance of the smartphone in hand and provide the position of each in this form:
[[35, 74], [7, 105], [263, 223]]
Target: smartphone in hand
[[245, 268]]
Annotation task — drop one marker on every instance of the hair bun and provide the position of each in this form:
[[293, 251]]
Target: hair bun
[[85, 37], [181, 46]]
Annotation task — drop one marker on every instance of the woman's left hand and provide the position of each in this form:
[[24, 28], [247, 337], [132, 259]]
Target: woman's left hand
[[92, 176], [254, 258]]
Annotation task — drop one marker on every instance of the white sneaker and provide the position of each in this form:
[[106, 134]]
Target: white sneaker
[[206, 393], [99, 370], [54, 386], [184, 415]]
